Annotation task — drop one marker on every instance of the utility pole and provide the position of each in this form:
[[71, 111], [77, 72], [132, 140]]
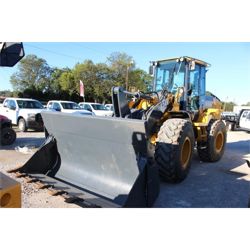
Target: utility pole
[[127, 71]]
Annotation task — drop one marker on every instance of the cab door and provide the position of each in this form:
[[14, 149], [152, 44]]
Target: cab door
[[13, 111], [197, 86], [10, 110]]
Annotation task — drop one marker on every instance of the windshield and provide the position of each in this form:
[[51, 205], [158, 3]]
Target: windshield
[[70, 105], [26, 104], [169, 75], [99, 107]]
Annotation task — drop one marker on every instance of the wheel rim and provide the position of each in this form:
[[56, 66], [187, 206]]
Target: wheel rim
[[219, 141], [185, 152]]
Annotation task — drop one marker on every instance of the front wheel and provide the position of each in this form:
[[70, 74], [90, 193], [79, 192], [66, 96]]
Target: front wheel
[[213, 149], [174, 149], [22, 125]]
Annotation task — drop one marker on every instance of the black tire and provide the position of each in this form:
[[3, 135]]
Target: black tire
[[22, 125], [8, 136], [232, 128], [214, 147], [174, 149]]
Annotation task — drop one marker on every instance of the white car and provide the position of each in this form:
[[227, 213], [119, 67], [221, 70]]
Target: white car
[[66, 107], [97, 108], [23, 112]]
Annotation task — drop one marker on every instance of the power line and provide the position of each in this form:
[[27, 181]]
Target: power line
[[54, 52], [95, 50]]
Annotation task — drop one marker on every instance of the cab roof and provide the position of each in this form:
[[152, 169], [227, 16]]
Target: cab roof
[[187, 58]]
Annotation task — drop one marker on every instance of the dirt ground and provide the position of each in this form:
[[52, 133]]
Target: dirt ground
[[221, 184], [12, 157]]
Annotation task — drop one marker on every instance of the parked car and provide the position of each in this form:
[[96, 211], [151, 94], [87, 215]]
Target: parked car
[[23, 112], [97, 108], [66, 107], [239, 121]]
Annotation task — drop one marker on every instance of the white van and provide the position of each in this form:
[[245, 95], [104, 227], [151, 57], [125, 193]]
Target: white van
[[97, 108]]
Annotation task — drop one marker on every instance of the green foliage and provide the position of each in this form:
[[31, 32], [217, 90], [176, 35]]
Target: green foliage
[[33, 73], [228, 106], [67, 82], [6, 93], [140, 80]]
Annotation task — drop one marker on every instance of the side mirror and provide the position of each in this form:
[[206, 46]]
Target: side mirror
[[151, 70], [10, 53], [12, 107], [192, 65]]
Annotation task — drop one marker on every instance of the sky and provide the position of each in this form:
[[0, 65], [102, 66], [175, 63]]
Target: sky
[[228, 77]]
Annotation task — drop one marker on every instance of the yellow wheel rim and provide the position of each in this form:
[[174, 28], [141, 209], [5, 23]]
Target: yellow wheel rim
[[219, 141], [185, 152]]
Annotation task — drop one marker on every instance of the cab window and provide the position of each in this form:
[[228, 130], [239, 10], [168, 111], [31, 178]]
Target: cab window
[[87, 107], [11, 104], [56, 106], [244, 114], [197, 85]]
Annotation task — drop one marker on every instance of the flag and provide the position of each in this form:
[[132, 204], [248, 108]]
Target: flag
[[81, 89]]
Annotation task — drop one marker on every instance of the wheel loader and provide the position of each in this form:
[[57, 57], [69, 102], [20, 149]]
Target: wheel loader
[[118, 161]]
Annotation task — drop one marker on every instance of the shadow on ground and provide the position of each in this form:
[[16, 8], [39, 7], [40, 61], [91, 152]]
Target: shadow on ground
[[223, 184]]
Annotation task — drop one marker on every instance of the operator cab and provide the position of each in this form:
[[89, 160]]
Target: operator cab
[[184, 73]]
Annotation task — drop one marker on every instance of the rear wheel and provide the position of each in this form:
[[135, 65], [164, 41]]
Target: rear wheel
[[8, 136], [232, 128], [213, 149], [174, 149], [22, 125]]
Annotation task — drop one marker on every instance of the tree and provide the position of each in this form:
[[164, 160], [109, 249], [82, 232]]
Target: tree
[[54, 86], [119, 61], [228, 106], [6, 93], [33, 73], [140, 80], [67, 82], [121, 64], [97, 78]]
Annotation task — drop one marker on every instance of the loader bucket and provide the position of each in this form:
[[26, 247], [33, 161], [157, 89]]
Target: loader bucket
[[103, 157]]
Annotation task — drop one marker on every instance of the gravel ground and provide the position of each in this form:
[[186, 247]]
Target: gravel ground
[[11, 157], [222, 184]]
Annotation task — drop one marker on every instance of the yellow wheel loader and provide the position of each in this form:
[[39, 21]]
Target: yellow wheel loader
[[116, 161]]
